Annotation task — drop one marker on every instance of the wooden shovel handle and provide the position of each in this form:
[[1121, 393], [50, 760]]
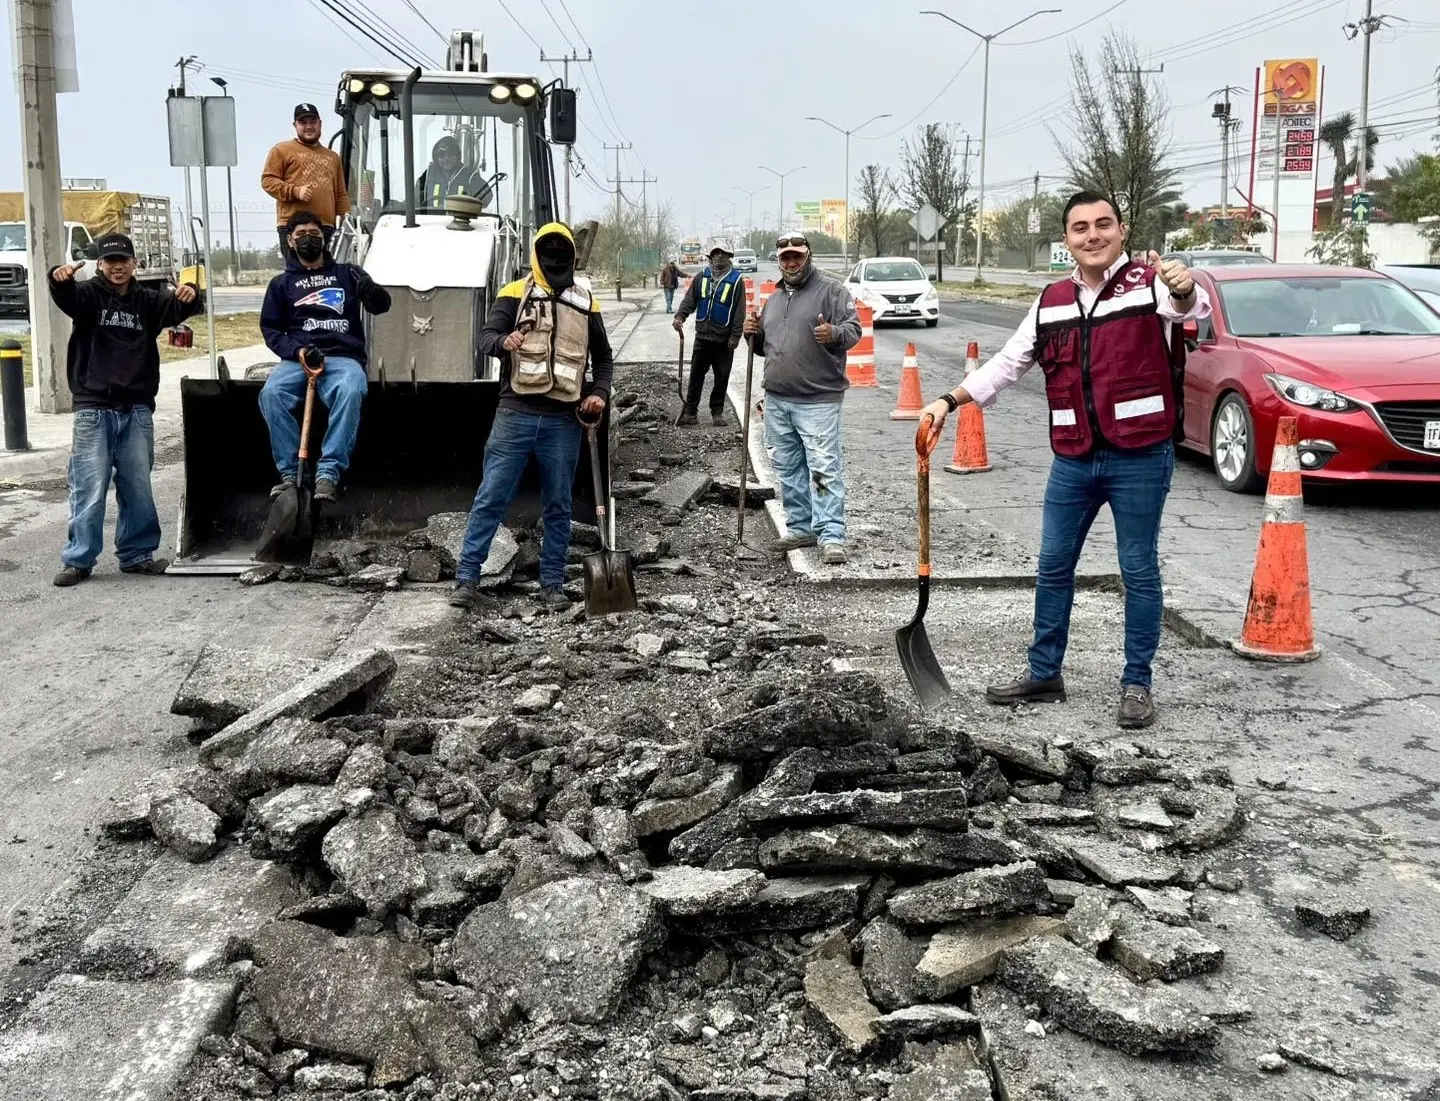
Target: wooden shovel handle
[[926, 437], [309, 409]]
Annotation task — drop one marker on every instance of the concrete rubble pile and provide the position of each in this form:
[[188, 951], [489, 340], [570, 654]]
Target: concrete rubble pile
[[791, 886]]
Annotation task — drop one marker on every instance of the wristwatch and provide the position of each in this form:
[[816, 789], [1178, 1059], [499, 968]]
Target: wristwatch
[[949, 399]]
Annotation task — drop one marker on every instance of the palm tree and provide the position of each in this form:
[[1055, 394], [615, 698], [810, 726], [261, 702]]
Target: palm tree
[[1337, 134]]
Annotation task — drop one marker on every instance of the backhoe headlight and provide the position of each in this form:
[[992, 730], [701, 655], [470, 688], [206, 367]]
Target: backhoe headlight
[[525, 92], [380, 89], [499, 93]]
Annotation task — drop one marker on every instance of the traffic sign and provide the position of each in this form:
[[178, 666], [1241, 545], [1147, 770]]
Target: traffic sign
[[1032, 222], [927, 221], [1360, 204]]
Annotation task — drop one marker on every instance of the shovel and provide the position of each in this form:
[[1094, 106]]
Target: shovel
[[916, 656], [609, 574], [680, 377], [289, 534], [745, 441]]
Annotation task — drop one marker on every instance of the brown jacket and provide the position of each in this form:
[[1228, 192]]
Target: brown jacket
[[293, 163]]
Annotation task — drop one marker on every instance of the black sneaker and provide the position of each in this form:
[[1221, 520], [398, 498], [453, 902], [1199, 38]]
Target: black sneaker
[[285, 483], [70, 575], [151, 567], [324, 489], [466, 595], [1026, 689], [688, 418], [1137, 709], [553, 597]]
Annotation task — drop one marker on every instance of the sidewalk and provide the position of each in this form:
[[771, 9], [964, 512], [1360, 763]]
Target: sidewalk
[[50, 433]]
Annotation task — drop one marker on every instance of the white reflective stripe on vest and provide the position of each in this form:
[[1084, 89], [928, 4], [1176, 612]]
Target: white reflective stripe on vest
[[1139, 407], [1050, 315], [1141, 298], [1062, 418]]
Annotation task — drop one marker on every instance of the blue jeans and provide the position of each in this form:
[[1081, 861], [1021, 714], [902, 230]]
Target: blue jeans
[[515, 436], [669, 299], [107, 440], [1134, 484], [803, 439], [341, 387]]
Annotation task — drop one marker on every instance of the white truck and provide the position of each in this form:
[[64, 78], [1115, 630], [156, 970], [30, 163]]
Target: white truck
[[145, 219]]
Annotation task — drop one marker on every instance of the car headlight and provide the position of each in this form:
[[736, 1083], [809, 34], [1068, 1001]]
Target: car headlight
[[1309, 395], [930, 294]]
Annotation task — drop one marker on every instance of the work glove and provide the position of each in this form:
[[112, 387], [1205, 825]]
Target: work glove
[[312, 357]]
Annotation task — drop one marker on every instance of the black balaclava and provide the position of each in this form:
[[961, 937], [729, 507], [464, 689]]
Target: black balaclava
[[556, 255]]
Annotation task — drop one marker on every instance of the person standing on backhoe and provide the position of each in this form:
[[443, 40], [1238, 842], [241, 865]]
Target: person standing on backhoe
[[544, 329], [301, 174], [312, 312], [717, 299]]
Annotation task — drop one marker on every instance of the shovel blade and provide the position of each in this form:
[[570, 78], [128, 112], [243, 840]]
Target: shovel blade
[[922, 669], [279, 526], [609, 583]]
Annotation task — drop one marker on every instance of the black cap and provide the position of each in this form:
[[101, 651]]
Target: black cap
[[305, 110], [114, 244]]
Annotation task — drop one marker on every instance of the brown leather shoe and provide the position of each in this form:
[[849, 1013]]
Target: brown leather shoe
[[1026, 689], [1137, 709]]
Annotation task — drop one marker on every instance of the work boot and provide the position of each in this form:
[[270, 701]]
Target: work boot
[[553, 598], [70, 575], [151, 567], [285, 483], [465, 595], [833, 554], [1137, 709], [688, 417], [1026, 689], [324, 489], [795, 541], [718, 419]]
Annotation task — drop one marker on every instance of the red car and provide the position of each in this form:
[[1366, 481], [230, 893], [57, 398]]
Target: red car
[[1352, 353]]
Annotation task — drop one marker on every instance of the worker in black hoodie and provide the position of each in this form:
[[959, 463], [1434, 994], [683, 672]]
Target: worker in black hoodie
[[311, 320], [113, 367]]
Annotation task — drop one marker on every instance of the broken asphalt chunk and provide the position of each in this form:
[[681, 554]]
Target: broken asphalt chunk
[[1116, 864], [847, 847], [222, 684], [941, 809], [1336, 914], [1094, 1000], [834, 991], [685, 891], [1008, 889], [374, 859], [1150, 949], [964, 954], [789, 905], [672, 815], [927, 1022]]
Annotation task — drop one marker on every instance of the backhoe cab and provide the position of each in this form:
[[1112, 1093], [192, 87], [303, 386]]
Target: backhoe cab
[[443, 239]]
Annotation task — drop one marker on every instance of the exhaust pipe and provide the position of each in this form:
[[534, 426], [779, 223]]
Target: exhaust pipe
[[407, 100]]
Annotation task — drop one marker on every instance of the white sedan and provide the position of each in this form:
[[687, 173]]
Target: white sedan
[[896, 288]]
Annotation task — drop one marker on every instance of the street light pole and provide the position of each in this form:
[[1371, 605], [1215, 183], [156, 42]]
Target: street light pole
[[230, 199], [985, 119], [780, 213], [845, 236], [750, 221]]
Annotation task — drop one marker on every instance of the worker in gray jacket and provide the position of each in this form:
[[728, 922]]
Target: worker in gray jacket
[[804, 331]]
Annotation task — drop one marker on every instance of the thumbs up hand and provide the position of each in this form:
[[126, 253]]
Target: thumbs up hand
[[824, 331], [1173, 274]]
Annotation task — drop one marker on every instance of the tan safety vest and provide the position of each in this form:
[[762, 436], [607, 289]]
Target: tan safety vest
[[551, 361]]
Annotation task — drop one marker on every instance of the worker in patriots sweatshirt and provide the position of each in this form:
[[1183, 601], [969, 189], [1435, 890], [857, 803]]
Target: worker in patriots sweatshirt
[[312, 316]]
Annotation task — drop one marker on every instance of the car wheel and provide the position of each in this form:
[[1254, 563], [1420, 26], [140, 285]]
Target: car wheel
[[931, 322], [1232, 445]]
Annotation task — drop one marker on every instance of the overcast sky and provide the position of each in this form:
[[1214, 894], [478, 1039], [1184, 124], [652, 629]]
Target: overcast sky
[[707, 93]]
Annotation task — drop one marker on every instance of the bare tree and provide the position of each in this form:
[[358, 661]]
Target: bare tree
[[1119, 119], [930, 175], [876, 191]]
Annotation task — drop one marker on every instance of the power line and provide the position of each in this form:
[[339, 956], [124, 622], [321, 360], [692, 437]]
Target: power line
[[1067, 30], [523, 29], [413, 7], [388, 29], [566, 9], [368, 45], [558, 27], [891, 133], [371, 32]]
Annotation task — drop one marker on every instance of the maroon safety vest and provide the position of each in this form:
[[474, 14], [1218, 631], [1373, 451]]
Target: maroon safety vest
[[1114, 377]]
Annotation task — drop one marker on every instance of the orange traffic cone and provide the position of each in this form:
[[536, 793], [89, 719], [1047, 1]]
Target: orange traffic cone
[[860, 360], [971, 455], [1277, 622], [911, 402], [749, 296], [767, 288]]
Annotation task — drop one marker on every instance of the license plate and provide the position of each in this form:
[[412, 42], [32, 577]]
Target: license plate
[[908, 310], [1432, 436]]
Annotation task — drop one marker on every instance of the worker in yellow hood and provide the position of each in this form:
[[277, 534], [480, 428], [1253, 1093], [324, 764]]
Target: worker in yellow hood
[[556, 362]]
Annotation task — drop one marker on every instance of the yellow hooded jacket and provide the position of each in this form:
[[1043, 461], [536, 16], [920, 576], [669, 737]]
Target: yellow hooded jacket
[[557, 326]]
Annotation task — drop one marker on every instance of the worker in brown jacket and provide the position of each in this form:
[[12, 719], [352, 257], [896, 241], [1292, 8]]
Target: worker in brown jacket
[[303, 175]]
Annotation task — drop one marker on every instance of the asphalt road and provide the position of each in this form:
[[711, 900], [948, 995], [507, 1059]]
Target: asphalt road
[[228, 300], [1374, 550]]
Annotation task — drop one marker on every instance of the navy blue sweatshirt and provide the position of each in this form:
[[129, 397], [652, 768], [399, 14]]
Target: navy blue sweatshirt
[[113, 361], [320, 307]]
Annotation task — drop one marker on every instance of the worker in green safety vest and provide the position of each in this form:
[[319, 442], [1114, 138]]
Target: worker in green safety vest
[[448, 175]]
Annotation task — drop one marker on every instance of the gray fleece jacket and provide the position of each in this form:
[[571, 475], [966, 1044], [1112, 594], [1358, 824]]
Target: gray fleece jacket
[[797, 366]]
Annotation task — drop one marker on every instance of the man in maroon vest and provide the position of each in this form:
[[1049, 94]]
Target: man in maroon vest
[[1107, 338]]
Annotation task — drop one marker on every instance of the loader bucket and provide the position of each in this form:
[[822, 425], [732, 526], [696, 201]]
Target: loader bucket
[[420, 451]]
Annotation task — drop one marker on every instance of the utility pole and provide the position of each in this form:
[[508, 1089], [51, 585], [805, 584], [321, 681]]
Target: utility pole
[[1367, 26], [565, 80], [750, 221], [229, 198], [1221, 114], [1034, 213], [964, 190], [45, 220], [845, 233], [620, 148]]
